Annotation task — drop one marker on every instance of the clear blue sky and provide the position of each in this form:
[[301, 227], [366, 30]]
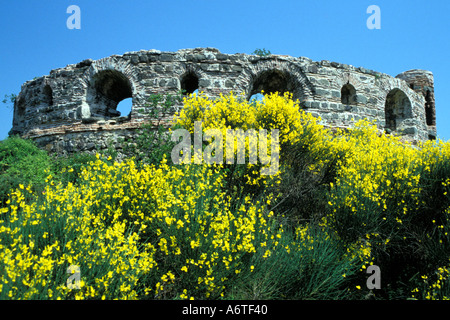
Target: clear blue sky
[[414, 34]]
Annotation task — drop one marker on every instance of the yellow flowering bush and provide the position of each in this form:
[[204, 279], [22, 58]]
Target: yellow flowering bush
[[392, 195], [157, 232], [230, 111], [273, 112], [340, 202]]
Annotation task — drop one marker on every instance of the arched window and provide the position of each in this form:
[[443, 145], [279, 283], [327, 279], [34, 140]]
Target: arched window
[[348, 94], [189, 83], [48, 95], [397, 109], [271, 81], [111, 87], [430, 111]]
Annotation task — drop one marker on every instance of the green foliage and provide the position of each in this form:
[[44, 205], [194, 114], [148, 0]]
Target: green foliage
[[262, 52], [21, 162], [68, 168], [309, 264], [301, 185], [153, 141], [9, 99]]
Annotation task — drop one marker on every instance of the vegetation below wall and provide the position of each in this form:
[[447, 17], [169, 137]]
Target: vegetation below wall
[[149, 229]]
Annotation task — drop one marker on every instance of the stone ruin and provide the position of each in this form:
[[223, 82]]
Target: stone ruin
[[75, 108]]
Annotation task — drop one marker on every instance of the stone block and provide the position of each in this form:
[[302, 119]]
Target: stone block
[[335, 94], [158, 68], [312, 68], [134, 59], [165, 57], [221, 56], [409, 131], [361, 98], [229, 83], [315, 105], [143, 58], [323, 92], [323, 82], [236, 68], [204, 83]]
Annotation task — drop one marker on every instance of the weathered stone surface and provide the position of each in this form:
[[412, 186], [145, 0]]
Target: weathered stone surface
[[75, 107]]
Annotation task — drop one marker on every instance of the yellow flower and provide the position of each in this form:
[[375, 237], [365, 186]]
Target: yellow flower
[[195, 244]]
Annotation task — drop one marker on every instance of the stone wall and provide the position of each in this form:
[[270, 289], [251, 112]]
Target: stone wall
[[75, 108]]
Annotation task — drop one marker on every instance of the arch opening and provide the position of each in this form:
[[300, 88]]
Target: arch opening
[[348, 94], [189, 83], [111, 88], [430, 111], [397, 109], [272, 81], [48, 95]]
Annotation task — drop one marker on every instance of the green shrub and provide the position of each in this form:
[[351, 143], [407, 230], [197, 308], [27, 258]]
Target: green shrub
[[68, 168], [21, 162], [262, 52], [153, 140], [308, 263]]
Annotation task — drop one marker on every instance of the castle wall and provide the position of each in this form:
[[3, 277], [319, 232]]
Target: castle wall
[[74, 108]]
